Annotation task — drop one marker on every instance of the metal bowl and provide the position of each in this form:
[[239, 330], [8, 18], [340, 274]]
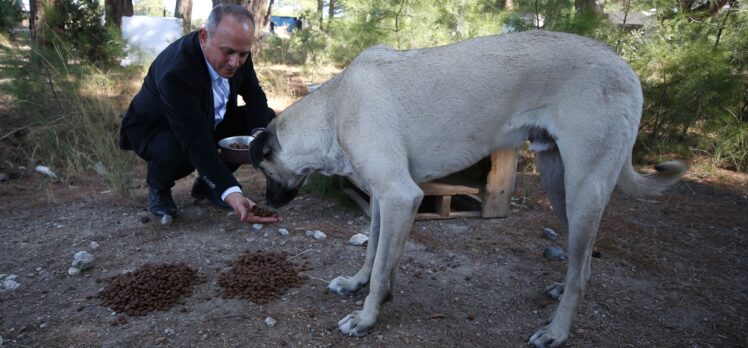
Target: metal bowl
[[236, 149]]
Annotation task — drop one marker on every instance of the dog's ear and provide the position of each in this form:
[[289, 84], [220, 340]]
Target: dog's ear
[[259, 149]]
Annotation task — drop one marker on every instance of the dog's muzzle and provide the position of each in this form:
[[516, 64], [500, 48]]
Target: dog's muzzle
[[277, 195]]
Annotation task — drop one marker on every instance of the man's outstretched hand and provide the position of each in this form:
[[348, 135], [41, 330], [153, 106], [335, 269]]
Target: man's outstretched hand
[[243, 208]]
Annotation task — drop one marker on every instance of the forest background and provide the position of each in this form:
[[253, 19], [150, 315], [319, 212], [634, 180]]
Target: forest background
[[67, 89]]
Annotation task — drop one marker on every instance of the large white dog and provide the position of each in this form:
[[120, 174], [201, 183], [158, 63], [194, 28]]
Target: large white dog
[[393, 119]]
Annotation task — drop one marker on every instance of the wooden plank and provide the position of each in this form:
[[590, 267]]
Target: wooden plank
[[454, 214], [443, 205], [496, 194], [435, 188]]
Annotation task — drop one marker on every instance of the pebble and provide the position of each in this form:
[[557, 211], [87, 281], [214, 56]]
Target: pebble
[[74, 271], [258, 226], [359, 239], [283, 231], [549, 233], [46, 171], [169, 331], [3, 177], [269, 321], [554, 253], [319, 235], [42, 325], [9, 282], [82, 260], [94, 245]]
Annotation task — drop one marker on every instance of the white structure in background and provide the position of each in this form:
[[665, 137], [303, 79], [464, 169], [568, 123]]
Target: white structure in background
[[145, 37]]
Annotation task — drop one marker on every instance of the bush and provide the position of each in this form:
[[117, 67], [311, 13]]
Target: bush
[[10, 15]]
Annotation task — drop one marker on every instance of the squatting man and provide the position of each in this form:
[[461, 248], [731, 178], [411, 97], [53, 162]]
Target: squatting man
[[188, 101]]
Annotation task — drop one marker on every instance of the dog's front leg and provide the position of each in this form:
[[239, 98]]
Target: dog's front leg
[[397, 210], [350, 285]]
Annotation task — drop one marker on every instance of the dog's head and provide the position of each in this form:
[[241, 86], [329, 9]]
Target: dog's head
[[283, 178]]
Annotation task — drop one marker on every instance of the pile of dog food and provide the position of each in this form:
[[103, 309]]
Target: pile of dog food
[[149, 288], [260, 277]]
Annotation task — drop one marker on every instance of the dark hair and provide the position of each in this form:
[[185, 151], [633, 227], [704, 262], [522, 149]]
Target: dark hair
[[221, 10]]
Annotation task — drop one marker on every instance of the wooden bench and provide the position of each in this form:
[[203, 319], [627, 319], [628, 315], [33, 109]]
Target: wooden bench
[[490, 183]]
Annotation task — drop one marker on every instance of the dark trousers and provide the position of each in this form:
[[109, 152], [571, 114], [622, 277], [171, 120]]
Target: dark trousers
[[167, 162]]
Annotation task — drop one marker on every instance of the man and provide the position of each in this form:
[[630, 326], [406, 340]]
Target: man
[[188, 102]]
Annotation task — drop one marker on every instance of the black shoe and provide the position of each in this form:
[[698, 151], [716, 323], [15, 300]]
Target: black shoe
[[200, 191], [160, 202]]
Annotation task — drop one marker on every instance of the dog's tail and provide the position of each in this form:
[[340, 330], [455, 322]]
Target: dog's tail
[[639, 185]]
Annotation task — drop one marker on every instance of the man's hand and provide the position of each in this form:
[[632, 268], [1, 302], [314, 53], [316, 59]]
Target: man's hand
[[243, 208]]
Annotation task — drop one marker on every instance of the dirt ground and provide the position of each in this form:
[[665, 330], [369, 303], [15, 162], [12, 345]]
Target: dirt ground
[[671, 271]]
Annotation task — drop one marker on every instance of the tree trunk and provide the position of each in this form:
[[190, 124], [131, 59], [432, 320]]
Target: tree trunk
[[115, 9], [183, 10], [594, 6], [38, 22], [330, 14], [320, 9]]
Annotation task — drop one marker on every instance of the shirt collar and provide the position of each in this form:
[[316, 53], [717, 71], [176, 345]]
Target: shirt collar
[[212, 72]]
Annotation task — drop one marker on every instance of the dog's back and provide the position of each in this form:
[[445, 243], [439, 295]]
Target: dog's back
[[486, 93]]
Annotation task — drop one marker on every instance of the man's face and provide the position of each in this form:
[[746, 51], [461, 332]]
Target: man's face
[[229, 47]]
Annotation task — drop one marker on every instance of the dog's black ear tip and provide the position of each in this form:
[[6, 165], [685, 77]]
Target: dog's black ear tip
[[256, 149]]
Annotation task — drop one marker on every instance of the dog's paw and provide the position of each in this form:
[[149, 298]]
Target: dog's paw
[[547, 336], [555, 290], [356, 324], [344, 286]]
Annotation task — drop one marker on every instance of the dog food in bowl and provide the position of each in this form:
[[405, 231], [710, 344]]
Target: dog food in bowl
[[236, 149]]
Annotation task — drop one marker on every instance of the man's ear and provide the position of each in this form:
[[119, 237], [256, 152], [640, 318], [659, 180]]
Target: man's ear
[[257, 148]]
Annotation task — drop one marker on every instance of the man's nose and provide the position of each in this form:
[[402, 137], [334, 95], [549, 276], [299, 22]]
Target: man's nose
[[234, 60]]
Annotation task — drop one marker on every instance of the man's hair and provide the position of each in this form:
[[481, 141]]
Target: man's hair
[[221, 10]]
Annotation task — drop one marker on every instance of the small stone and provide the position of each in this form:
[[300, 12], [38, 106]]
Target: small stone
[[309, 233], [258, 227], [283, 231], [73, 271], [596, 254], [46, 171], [3, 177], [9, 282], [166, 219], [550, 234], [169, 331], [94, 245], [554, 253], [99, 168], [42, 325], [204, 336], [319, 235], [82, 260], [269, 321], [359, 239]]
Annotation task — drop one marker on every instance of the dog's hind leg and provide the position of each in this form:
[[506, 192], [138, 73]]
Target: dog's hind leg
[[551, 169], [590, 174], [349, 285], [398, 203]]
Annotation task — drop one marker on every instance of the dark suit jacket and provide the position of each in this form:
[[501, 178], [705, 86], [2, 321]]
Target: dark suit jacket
[[177, 94]]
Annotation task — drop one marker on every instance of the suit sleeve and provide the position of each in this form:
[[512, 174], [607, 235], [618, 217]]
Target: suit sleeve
[[260, 114], [181, 101]]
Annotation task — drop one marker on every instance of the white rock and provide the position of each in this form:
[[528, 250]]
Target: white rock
[[73, 271], [9, 282], [46, 171], [258, 226], [94, 245], [169, 331], [166, 219], [319, 235], [550, 233], [100, 168], [359, 239], [283, 231], [309, 233], [82, 260], [270, 321]]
